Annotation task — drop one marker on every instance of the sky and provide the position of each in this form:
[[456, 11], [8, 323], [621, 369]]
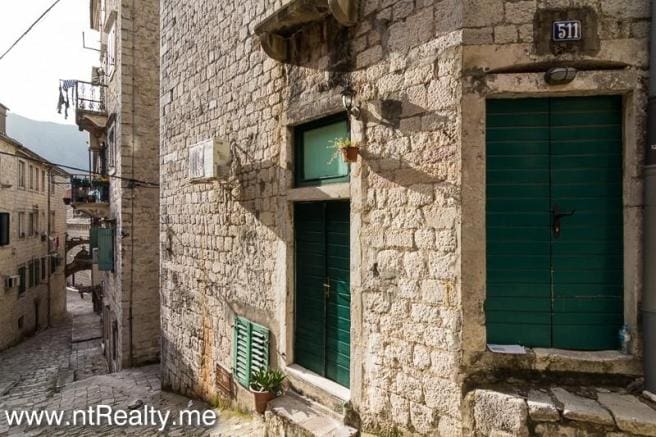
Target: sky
[[30, 73]]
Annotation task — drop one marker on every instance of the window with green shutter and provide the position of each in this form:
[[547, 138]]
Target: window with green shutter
[[21, 274], [250, 350], [105, 241]]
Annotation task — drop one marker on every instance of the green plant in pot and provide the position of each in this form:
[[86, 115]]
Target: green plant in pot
[[348, 149], [266, 384]]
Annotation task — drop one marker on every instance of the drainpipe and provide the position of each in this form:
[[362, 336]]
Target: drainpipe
[[649, 297]]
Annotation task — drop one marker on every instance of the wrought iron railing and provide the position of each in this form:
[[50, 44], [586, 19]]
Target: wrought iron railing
[[86, 96], [86, 189], [89, 96]]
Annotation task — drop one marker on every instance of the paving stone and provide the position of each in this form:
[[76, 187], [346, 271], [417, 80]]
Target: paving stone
[[541, 407], [499, 412], [630, 414], [582, 409]]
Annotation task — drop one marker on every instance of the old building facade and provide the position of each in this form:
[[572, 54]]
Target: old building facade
[[493, 201], [32, 233], [119, 109]]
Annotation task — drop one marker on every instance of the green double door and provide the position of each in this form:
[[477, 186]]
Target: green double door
[[323, 296], [554, 222]]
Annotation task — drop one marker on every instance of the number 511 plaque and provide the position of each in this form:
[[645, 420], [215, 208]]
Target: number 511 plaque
[[566, 30]]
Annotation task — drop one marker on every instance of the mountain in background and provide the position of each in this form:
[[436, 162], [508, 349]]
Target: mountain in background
[[58, 143]]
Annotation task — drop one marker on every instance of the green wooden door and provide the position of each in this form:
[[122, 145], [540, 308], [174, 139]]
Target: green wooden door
[[323, 295], [547, 285]]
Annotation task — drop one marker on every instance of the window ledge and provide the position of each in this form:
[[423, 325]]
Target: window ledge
[[324, 192], [560, 360], [330, 387]]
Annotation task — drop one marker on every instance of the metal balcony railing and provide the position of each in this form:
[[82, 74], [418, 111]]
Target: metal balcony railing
[[89, 96], [86, 189]]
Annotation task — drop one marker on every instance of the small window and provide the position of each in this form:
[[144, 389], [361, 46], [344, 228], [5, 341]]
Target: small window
[[44, 269], [21, 225], [43, 181], [31, 177], [30, 224], [317, 162], [111, 146], [37, 272], [23, 278], [4, 228], [111, 49], [30, 275], [21, 174], [37, 185], [21, 322]]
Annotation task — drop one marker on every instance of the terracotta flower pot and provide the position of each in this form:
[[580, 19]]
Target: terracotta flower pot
[[262, 398], [350, 154]]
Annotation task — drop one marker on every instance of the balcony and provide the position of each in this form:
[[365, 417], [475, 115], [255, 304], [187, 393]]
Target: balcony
[[89, 195], [89, 101]]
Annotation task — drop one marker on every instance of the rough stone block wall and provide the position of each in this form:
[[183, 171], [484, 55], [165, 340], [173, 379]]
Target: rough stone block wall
[[132, 96], [20, 251]]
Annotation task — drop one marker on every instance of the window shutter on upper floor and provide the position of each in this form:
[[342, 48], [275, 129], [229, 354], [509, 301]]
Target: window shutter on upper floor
[[105, 241], [4, 228]]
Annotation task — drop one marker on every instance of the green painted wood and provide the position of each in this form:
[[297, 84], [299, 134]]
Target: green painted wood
[[322, 333], [105, 249], [241, 351], [544, 291], [93, 237]]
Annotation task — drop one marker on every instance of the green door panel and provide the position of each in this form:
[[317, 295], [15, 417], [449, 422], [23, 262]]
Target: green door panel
[[541, 290], [323, 321]]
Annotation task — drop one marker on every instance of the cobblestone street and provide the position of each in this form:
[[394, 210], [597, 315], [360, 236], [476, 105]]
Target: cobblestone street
[[63, 369]]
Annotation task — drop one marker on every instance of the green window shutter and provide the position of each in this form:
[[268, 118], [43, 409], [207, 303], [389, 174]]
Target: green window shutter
[[105, 249], [4, 229], [21, 274], [93, 237], [259, 347], [241, 351]]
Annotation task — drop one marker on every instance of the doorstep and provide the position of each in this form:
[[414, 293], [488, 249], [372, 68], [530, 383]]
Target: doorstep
[[322, 390], [293, 414], [527, 409]]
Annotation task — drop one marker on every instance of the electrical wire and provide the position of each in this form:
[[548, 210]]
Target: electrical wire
[[44, 162], [28, 29]]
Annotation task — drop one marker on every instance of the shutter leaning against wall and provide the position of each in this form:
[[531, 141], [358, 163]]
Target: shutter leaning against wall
[[105, 249], [241, 348], [259, 347]]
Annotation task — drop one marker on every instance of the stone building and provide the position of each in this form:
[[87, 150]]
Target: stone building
[[496, 199], [32, 232], [119, 108], [78, 228]]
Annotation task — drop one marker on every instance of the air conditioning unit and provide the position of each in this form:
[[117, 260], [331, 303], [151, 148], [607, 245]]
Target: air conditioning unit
[[12, 282], [209, 159]]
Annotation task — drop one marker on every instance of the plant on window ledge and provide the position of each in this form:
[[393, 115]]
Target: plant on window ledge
[[266, 384], [348, 149]]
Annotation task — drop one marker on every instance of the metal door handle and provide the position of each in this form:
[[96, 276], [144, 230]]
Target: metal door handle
[[326, 288], [556, 215]]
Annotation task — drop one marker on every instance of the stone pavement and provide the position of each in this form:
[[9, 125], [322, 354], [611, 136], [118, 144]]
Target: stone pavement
[[63, 369]]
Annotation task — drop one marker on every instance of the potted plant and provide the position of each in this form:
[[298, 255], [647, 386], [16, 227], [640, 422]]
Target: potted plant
[[266, 384], [348, 149]]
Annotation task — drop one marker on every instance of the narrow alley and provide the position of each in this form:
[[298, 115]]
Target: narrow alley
[[63, 369]]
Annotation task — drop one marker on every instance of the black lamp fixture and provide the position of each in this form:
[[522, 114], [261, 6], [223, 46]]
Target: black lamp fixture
[[348, 98], [560, 75]]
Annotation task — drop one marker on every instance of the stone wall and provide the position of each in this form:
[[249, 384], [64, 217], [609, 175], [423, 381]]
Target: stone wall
[[421, 71], [50, 293], [132, 290]]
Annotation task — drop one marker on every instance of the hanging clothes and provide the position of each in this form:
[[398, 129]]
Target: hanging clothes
[[64, 87]]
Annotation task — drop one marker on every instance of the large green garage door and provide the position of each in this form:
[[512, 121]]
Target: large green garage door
[[554, 222], [323, 294]]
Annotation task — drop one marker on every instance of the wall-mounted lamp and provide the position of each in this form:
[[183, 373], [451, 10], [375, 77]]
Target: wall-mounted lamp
[[560, 75], [348, 98]]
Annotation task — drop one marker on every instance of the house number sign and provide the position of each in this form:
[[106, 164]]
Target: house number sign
[[566, 30]]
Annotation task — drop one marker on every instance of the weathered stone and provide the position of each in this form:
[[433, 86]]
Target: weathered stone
[[630, 414], [495, 411], [541, 407], [582, 409]]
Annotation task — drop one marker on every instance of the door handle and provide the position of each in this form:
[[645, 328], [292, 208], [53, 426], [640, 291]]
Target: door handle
[[556, 215], [326, 288]]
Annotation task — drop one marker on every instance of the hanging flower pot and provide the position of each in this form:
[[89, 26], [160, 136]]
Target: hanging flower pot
[[350, 154]]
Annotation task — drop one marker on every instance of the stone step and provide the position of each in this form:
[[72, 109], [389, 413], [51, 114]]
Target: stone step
[[293, 415]]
